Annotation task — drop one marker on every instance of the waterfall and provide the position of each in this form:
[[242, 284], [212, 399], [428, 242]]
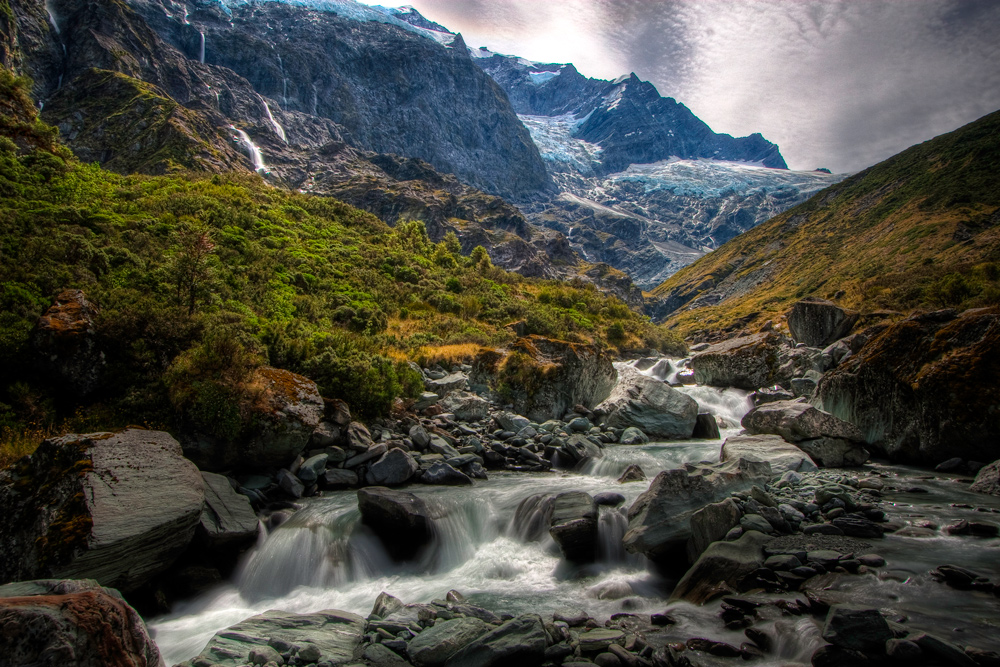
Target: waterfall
[[730, 404], [280, 131], [255, 155], [284, 82], [52, 17], [201, 48]]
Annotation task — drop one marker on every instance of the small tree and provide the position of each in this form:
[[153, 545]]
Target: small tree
[[192, 271]]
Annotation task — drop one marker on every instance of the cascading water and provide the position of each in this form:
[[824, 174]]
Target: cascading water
[[255, 155], [280, 131], [729, 405], [201, 48], [52, 18], [284, 82]]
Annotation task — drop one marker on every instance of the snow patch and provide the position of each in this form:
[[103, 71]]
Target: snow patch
[[539, 78]]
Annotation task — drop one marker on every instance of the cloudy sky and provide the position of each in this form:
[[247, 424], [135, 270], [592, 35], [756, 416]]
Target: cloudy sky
[[841, 84]]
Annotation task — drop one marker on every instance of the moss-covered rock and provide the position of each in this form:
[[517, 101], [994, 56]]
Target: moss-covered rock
[[924, 389]]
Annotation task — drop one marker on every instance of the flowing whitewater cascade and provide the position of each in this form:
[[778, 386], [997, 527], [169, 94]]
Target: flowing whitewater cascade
[[284, 82], [201, 48], [52, 18], [255, 155], [280, 131]]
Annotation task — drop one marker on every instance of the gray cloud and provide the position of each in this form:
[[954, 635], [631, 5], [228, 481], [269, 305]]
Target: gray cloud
[[836, 83]]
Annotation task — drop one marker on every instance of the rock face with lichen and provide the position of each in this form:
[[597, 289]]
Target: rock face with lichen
[[114, 507], [52, 623], [924, 389], [65, 339], [288, 411], [748, 362]]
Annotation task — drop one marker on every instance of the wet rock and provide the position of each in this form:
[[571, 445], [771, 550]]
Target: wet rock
[[572, 617], [653, 407], [711, 524], [336, 634], [403, 522], [290, 484], [921, 390], [747, 362], [961, 578], [433, 646], [857, 629], [509, 421], [519, 641], [466, 406], [609, 498], [573, 525], [659, 520], [599, 639], [66, 340], [943, 650], [818, 322], [312, 468], [575, 449], [856, 526], [444, 474], [373, 452], [988, 480], [261, 655], [706, 427], [795, 422], [783, 456], [902, 650], [393, 468], [837, 656], [632, 474], [52, 623], [770, 395], [633, 436], [227, 519], [722, 568], [721, 649], [115, 507], [337, 478], [834, 452]]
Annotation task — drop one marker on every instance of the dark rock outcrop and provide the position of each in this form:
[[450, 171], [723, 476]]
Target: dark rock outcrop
[[722, 568], [573, 525], [227, 519], [748, 362], [115, 507], [53, 623], [519, 641], [66, 341], [818, 322], [988, 480], [924, 389]]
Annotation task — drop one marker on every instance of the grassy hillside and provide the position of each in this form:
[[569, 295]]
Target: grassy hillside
[[918, 231], [199, 278]]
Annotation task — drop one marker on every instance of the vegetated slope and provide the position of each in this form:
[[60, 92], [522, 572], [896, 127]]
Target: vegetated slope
[[200, 277], [920, 230]]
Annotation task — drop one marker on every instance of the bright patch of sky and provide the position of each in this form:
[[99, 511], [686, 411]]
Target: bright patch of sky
[[835, 83]]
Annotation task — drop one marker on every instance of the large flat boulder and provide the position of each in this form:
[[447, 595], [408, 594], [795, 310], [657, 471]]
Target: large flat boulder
[[55, 623], [747, 362], [818, 322], [783, 456], [710, 524], [433, 646], [519, 641], [227, 519], [923, 390], [114, 507], [797, 421], [336, 635], [394, 467], [562, 375], [403, 522], [659, 521], [653, 407]]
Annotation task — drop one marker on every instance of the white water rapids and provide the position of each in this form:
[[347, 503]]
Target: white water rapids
[[323, 558]]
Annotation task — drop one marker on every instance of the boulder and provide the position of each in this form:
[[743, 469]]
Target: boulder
[[796, 421], [783, 456], [818, 322], [659, 519], [335, 634], [395, 467], [327, 434], [403, 522], [66, 341], [53, 623], [466, 406], [447, 384], [290, 484], [747, 362], [312, 468], [988, 480], [857, 629], [722, 569], [115, 507], [651, 406], [573, 525], [633, 436], [923, 390], [519, 641], [567, 374], [509, 421], [433, 646], [706, 427], [288, 412], [359, 438], [834, 452], [633, 473], [575, 449], [710, 524], [338, 478], [227, 519], [444, 474]]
